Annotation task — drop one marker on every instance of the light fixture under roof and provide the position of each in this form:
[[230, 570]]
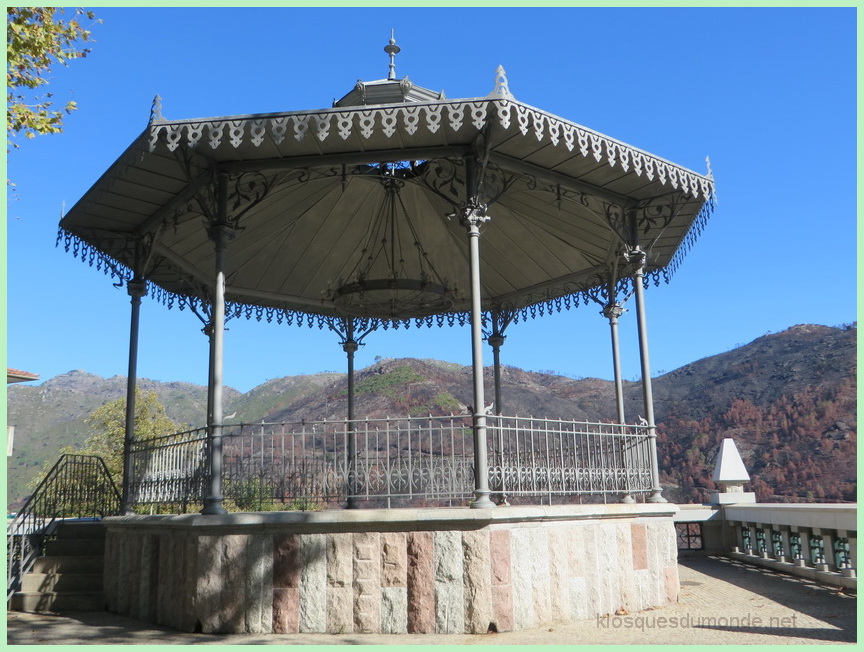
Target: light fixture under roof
[[380, 285]]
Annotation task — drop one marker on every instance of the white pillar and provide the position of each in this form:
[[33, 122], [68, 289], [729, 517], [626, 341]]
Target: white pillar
[[219, 233]]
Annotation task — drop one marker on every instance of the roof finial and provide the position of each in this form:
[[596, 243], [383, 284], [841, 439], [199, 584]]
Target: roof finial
[[502, 86], [156, 110], [392, 49]]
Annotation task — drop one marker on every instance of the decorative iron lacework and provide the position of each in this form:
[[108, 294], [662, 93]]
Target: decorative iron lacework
[[343, 123], [331, 124], [693, 233], [543, 303]]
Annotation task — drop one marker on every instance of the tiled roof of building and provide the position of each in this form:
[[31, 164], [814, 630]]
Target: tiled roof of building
[[18, 376]]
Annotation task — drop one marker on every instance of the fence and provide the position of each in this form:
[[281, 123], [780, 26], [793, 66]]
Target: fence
[[822, 536], [397, 461], [544, 457]]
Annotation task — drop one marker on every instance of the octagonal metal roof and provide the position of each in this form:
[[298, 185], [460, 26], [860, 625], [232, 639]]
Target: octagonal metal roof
[[306, 189]]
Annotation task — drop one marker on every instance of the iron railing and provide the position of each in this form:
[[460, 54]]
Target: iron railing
[[77, 486], [171, 470], [550, 457], [398, 461]]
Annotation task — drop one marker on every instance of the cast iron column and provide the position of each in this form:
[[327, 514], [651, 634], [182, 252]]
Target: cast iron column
[[639, 256], [612, 312], [495, 341], [473, 218], [137, 288], [219, 233], [350, 347]]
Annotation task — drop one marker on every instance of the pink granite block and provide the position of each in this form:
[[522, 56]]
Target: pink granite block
[[502, 607], [673, 586], [640, 546], [501, 579], [499, 552], [286, 561], [421, 583], [286, 610]]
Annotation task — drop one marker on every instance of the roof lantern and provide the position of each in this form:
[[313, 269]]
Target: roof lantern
[[390, 90]]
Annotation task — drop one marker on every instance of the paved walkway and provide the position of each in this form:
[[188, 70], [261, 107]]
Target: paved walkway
[[721, 602]]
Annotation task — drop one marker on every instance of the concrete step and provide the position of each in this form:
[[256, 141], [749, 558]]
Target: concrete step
[[68, 564], [69, 576], [61, 582], [75, 548], [81, 530], [48, 602]]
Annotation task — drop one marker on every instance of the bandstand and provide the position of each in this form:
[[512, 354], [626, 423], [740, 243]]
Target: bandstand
[[396, 207]]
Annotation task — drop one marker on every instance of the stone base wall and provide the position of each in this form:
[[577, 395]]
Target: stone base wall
[[393, 571]]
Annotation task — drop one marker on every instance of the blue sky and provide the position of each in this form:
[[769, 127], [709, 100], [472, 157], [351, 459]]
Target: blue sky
[[768, 94]]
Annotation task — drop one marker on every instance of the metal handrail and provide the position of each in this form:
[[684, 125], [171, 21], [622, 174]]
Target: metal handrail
[[77, 486]]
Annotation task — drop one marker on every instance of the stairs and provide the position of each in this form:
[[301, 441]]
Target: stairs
[[69, 576]]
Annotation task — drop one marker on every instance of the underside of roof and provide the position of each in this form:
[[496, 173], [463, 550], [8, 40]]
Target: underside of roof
[[308, 193]]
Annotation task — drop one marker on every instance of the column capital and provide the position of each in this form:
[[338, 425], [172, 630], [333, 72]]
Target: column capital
[[136, 287], [496, 341], [637, 256], [350, 346], [220, 233], [473, 216], [612, 311]]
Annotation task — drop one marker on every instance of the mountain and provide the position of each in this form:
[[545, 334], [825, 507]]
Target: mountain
[[787, 398]]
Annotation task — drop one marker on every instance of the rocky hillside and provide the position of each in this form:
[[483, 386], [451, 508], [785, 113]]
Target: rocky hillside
[[787, 398]]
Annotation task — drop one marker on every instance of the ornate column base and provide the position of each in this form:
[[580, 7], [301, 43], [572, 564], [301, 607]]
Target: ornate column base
[[213, 506], [482, 500], [656, 497]]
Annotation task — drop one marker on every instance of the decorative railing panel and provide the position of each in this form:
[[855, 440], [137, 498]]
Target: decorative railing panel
[[551, 457], [170, 469], [804, 534], [397, 461]]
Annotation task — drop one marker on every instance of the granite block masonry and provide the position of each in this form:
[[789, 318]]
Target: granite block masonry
[[391, 571]]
